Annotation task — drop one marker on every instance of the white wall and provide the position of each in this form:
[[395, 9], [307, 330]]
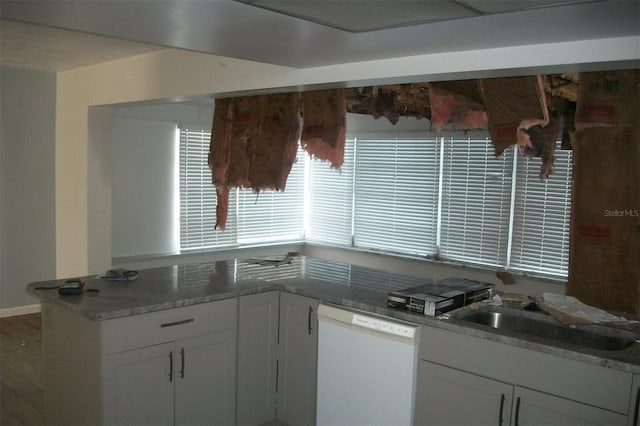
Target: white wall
[[199, 113], [144, 170], [143, 211], [27, 189]]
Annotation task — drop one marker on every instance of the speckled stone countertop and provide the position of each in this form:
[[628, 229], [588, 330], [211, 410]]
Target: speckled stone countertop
[[330, 282]]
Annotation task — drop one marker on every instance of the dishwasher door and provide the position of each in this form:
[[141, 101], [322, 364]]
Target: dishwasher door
[[366, 369]]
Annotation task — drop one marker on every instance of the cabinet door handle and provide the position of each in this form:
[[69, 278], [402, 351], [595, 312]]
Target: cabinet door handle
[[517, 412], [501, 410], [309, 319], [636, 412], [182, 363], [171, 324], [170, 366]]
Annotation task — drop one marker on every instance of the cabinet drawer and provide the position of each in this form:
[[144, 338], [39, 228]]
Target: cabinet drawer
[[137, 331]]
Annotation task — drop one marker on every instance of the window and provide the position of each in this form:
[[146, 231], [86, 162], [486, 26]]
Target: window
[[445, 197], [476, 198], [451, 197], [253, 218], [330, 209], [198, 196], [396, 194], [270, 216], [542, 212]]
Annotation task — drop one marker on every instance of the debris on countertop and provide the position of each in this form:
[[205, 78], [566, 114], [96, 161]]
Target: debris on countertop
[[506, 277], [572, 311], [496, 300]]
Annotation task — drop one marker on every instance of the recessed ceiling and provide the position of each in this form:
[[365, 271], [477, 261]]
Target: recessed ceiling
[[367, 15], [314, 33]]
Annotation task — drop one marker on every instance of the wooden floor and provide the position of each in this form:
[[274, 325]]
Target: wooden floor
[[20, 370]]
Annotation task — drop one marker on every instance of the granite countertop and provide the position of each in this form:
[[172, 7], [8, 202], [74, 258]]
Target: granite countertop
[[330, 282]]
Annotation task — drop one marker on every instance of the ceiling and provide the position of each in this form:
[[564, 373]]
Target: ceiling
[[36, 47], [62, 34]]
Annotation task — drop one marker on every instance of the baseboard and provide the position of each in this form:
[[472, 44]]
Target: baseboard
[[19, 310]]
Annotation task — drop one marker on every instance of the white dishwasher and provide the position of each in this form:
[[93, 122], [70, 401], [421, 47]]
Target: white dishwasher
[[366, 369]]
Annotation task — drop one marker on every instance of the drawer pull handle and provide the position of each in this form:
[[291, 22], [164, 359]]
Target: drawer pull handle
[[501, 410], [171, 324], [517, 422], [170, 366], [182, 363]]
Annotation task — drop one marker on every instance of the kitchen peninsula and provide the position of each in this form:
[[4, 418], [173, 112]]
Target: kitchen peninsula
[[190, 334]]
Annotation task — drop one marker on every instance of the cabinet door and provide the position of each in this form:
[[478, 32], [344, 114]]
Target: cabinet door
[[257, 357], [537, 408], [204, 367], [634, 405], [297, 361], [446, 396], [138, 386]]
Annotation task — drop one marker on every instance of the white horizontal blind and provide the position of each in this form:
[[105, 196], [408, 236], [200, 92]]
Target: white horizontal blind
[[270, 215], [476, 195], [330, 208], [198, 196], [396, 194], [542, 212]]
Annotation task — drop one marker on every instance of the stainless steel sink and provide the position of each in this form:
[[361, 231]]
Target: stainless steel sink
[[541, 326]]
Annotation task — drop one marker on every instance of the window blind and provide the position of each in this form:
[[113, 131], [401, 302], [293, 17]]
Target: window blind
[[270, 215], [330, 202], [198, 196], [542, 212], [413, 196], [396, 194], [476, 196]]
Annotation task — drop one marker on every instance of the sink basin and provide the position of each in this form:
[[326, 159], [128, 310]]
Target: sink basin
[[547, 328]]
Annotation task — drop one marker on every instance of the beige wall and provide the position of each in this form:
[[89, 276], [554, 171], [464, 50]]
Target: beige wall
[[27, 192], [175, 74], [159, 75]]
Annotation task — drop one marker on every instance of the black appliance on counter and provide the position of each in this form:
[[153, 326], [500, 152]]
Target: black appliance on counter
[[439, 297]]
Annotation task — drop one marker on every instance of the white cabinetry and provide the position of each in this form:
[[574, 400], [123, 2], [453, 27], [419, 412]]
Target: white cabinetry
[[277, 353], [257, 357], [468, 380], [537, 408], [204, 376], [449, 397], [175, 366], [137, 386], [297, 360]]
